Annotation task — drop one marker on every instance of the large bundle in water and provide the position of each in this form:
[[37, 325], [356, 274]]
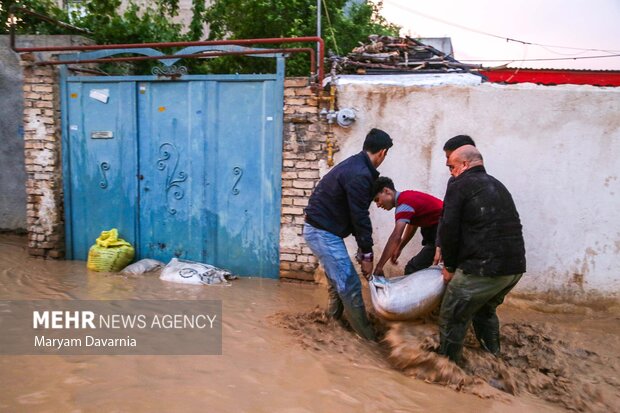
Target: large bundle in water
[[191, 272], [408, 297]]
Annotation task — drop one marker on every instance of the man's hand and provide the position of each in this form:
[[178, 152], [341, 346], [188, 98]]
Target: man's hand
[[437, 258], [367, 269], [395, 255], [378, 271], [447, 276]]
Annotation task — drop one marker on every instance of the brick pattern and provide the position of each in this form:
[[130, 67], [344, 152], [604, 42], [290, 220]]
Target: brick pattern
[[303, 153], [42, 145]]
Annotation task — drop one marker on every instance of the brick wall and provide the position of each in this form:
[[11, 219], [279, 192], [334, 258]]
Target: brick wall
[[303, 154], [42, 145]]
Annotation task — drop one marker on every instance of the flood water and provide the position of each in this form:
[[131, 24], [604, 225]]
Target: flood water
[[277, 357]]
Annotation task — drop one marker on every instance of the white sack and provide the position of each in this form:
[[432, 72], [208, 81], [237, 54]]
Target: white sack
[[142, 266], [408, 297], [190, 272]]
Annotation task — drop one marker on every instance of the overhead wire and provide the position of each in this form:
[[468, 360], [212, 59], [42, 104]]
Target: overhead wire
[[564, 54], [540, 60], [508, 39]]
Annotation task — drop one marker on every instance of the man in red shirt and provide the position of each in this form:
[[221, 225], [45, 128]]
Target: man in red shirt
[[413, 209]]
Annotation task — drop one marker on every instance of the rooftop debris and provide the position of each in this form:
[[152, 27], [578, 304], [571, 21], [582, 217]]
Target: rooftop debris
[[387, 54]]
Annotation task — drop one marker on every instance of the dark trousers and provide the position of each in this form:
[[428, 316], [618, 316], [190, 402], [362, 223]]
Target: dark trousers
[[472, 298], [424, 258]]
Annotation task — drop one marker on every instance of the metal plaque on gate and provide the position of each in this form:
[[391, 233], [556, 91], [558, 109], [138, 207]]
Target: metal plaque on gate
[[106, 134]]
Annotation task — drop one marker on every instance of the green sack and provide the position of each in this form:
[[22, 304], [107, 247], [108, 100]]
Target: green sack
[[110, 253]]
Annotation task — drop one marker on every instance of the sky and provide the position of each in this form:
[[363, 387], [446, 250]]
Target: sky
[[575, 25]]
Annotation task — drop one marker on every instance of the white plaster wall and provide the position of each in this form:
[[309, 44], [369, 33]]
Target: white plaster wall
[[556, 148]]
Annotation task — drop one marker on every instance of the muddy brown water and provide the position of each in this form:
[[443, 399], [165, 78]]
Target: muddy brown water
[[281, 355]]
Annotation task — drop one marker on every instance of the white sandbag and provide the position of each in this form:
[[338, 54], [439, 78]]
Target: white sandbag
[[142, 266], [191, 272], [408, 297]]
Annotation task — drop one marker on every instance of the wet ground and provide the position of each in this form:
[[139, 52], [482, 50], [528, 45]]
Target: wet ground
[[281, 355]]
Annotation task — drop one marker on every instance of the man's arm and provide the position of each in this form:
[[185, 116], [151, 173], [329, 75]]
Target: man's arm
[[437, 258], [359, 199], [409, 233], [405, 213], [391, 246], [450, 227]]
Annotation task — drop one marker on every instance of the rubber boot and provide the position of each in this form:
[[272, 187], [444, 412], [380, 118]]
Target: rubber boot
[[359, 321], [486, 327], [488, 337], [334, 304], [453, 351]]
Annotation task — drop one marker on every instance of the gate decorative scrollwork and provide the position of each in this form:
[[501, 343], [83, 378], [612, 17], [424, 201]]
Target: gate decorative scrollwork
[[103, 167], [169, 71], [169, 161], [238, 172]]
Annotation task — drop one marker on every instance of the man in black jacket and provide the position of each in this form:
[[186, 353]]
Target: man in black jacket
[[483, 253], [450, 146], [337, 208]]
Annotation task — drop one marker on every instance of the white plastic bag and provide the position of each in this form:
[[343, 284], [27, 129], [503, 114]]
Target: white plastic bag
[[408, 297], [142, 266], [191, 272]]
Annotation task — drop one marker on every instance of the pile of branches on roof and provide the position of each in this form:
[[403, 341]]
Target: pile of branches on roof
[[387, 54]]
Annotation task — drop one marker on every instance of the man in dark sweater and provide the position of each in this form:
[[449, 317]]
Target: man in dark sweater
[[483, 253], [338, 208]]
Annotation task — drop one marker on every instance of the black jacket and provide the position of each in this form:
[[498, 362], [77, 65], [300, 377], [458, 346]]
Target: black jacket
[[480, 229], [340, 202]]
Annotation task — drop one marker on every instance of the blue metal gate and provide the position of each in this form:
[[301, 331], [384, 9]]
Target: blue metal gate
[[185, 168]]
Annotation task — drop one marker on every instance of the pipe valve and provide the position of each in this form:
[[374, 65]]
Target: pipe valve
[[345, 117]]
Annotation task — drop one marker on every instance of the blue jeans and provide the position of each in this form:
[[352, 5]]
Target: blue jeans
[[345, 288]]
